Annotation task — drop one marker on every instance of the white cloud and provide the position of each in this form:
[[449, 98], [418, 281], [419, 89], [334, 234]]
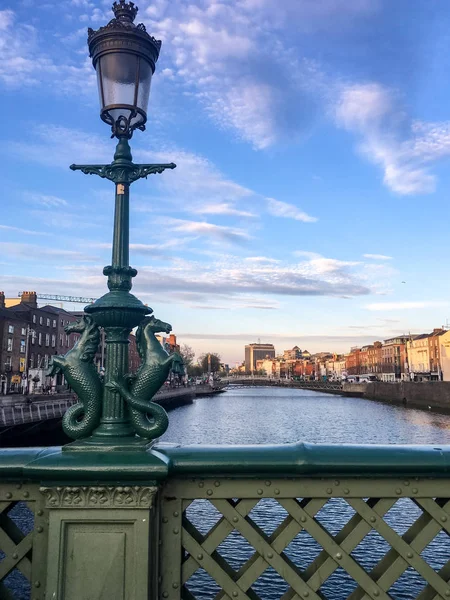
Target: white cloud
[[378, 306], [24, 64], [227, 281], [195, 182], [42, 253], [209, 230], [288, 211], [223, 208], [6, 19], [24, 231], [223, 55], [402, 148], [61, 146], [261, 259], [377, 256], [46, 201]]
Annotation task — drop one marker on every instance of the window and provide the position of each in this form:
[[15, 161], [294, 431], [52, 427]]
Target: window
[[41, 320], [38, 364], [47, 339], [32, 361], [53, 340], [10, 328], [48, 322], [22, 346], [67, 341], [54, 322], [61, 339], [33, 338], [9, 345], [40, 339], [8, 361], [62, 323], [34, 318], [46, 361], [24, 331]]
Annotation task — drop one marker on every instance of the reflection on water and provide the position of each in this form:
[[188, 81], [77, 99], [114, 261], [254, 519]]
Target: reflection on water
[[276, 415], [268, 415]]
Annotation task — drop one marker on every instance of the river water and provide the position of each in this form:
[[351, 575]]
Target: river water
[[276, 415], [257, 415]]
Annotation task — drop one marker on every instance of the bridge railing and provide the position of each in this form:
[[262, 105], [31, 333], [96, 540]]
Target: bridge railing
[[292, 522], [18, 414]]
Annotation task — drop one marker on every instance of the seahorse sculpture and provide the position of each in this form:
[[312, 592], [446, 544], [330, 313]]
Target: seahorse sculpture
[[79, 370], [148, 419]]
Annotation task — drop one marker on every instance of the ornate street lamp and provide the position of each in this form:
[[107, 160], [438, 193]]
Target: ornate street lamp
[[124, 56], [117, 411]]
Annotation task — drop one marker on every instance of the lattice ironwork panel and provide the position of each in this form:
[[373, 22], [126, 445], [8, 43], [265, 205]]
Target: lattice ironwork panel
[[23, 542], [383, 539]]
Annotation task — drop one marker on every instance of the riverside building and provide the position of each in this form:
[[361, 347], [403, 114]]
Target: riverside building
[[254, 352]]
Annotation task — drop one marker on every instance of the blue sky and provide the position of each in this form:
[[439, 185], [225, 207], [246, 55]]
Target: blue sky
[[312, 138]]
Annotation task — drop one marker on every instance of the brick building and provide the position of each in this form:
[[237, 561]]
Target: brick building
[[352, 362], [374, 358], [13, 348]]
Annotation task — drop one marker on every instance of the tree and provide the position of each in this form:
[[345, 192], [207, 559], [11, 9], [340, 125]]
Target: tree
[[187, 354], [195, 371], [215, 362]]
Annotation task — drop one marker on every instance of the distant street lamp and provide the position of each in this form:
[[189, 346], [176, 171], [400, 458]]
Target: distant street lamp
[[113, 411]]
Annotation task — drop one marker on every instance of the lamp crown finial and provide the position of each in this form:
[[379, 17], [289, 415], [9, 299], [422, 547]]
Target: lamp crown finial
[[125, 10]]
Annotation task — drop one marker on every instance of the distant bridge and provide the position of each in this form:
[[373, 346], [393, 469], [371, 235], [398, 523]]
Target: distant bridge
[[332, 387]]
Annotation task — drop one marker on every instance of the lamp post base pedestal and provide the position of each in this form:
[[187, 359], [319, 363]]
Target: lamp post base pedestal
[[110, 443]]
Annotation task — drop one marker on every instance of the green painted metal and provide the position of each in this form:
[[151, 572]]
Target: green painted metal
[[25, 552], [118, 505], [99, 542], [114, 415], [166, 460], [79, 370], [300, 500], [302, 458], [151, 375]]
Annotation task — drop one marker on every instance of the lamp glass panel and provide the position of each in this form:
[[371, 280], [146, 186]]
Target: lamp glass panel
[[118, 73], [145, 80]]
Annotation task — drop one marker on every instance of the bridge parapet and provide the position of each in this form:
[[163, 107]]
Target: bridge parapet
[[186, 521]]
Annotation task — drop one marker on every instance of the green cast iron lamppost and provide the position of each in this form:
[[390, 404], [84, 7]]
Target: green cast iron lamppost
[[118, 413]]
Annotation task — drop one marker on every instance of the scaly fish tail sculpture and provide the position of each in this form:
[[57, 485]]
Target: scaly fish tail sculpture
[[79, 370], [149, 420]]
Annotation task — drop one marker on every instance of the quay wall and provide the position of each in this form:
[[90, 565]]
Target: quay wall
[[428, 395]]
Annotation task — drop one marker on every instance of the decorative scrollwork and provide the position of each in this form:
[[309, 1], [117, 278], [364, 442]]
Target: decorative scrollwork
[[104, 171], [141, 171], [99, 496], [119, 173]]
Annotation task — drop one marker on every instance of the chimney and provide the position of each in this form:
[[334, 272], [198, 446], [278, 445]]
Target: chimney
[[29, 298], [2, 299]]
